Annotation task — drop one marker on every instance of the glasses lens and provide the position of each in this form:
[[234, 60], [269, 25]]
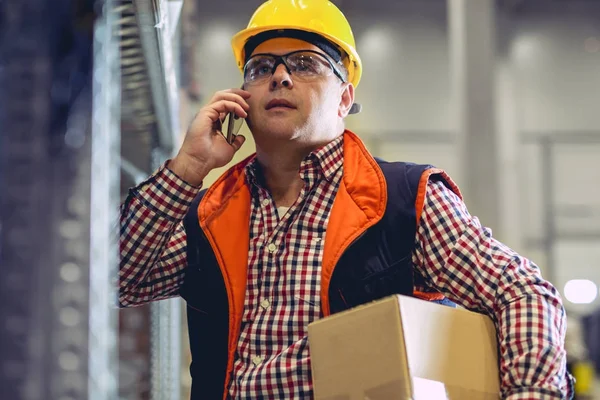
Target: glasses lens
[[305, 65], [258, 68], [309, 64]]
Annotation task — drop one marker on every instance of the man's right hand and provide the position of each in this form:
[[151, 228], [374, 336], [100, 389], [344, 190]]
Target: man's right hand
[[204, 147]]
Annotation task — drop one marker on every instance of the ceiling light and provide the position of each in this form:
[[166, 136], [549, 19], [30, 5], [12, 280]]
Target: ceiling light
[[581, 291]]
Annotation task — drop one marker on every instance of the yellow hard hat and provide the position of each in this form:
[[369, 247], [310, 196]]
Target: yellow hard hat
[[316, 16]]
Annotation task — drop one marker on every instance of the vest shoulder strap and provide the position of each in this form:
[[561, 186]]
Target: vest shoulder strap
[[406, 185], [195, 240]]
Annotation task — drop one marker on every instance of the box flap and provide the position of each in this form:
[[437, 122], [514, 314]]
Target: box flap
[[352, 356], [404, 348], [449, 345]]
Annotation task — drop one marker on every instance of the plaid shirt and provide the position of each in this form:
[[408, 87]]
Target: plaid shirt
[[284, 281], [453, 252]]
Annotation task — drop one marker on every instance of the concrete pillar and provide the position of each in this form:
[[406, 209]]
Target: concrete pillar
[[472, 60]]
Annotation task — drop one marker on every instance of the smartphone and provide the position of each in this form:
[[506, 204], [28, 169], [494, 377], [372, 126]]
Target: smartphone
[[233, 124]]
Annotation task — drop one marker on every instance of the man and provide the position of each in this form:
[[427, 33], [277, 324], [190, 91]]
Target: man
[[312, 224]]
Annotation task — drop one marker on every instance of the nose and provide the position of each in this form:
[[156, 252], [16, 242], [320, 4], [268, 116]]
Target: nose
[[281, 78]]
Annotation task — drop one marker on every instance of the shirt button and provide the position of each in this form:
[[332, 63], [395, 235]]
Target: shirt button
[[256, 360], [265, 202], [272, 247], [265, 304]]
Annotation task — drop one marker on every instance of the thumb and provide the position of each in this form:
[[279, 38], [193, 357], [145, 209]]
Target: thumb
[[238, 142]]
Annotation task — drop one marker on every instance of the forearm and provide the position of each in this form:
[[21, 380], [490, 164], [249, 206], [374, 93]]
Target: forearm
[[152, 239], [531, 324], [527, 311], [459, 257]]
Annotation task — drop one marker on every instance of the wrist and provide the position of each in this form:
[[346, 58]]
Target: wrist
[[188, 169]]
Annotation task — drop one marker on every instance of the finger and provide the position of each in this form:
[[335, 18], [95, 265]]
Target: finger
[[244, 93], [231, 92], [225, 106], [238, 142], [213, 114], [230, 97], [218, 127], [217, 112]]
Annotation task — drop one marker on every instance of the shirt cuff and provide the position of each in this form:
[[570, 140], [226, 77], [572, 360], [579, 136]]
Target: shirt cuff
[[166, 194], [538, 394]]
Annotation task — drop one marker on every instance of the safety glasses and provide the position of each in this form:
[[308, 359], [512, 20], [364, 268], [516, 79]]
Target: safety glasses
[[305, 65]]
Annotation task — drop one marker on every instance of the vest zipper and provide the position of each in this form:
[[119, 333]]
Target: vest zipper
[[197, 309], [356, 239]]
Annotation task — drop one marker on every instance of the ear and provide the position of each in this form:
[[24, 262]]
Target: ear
[[346, 99]]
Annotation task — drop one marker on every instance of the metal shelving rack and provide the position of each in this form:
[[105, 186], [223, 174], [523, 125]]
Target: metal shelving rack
[[59, 172], [76, 83], [156, 38]]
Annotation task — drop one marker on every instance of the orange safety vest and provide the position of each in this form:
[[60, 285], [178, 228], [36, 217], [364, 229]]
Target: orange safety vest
[[368, 245]]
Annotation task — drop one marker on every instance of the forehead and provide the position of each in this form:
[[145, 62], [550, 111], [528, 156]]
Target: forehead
[[283, 45]]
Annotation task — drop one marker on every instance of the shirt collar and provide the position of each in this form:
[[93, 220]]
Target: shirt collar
[[325, 160]]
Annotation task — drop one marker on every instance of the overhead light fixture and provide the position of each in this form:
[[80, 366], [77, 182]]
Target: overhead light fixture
[[581, 291]]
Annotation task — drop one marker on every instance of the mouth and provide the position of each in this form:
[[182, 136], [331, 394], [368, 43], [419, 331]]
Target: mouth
[[279, 103]]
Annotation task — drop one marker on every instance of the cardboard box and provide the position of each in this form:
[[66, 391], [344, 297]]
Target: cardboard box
[[404, 348]]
